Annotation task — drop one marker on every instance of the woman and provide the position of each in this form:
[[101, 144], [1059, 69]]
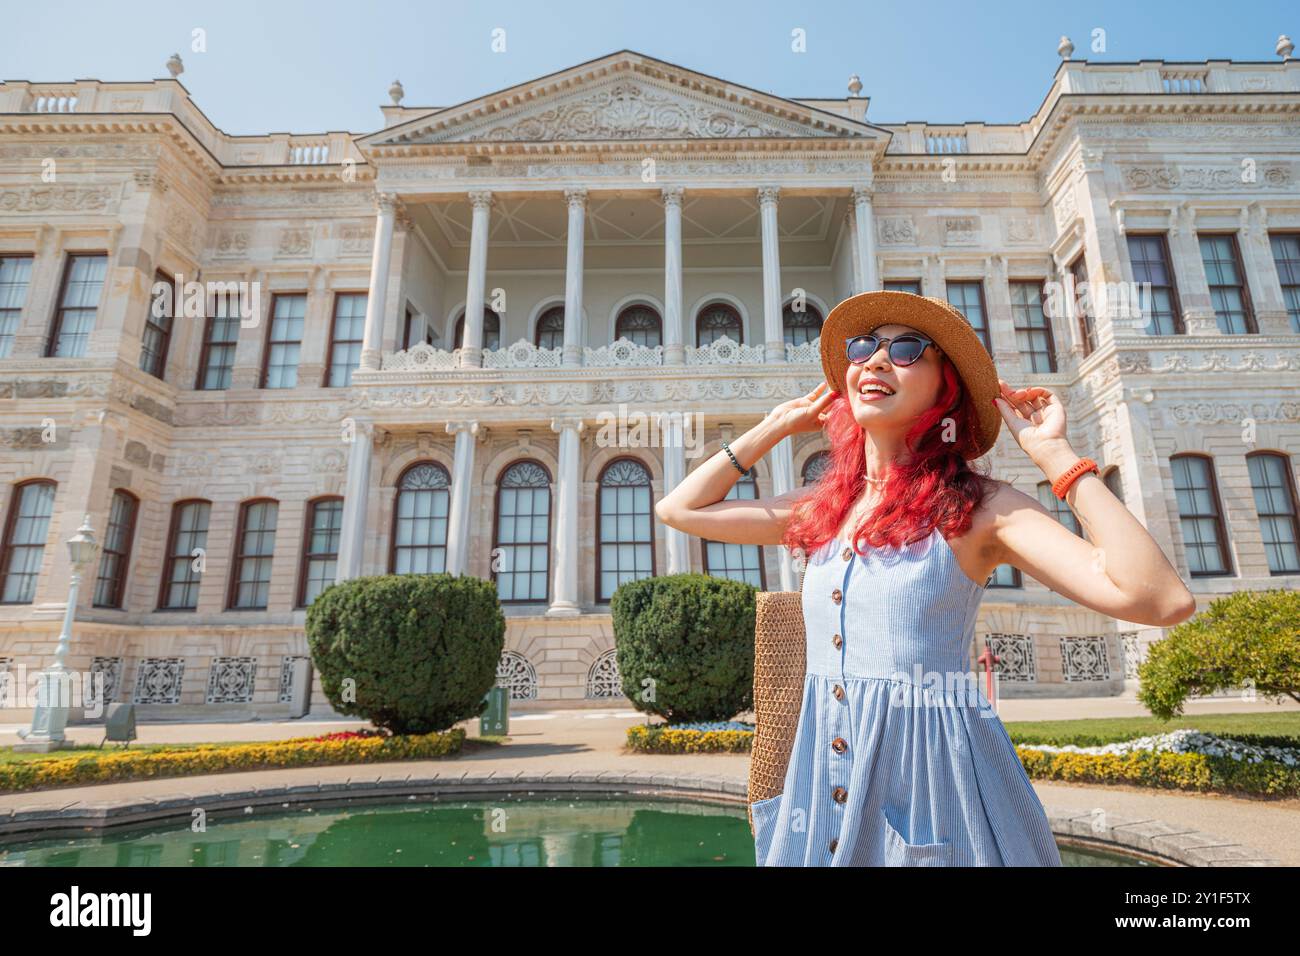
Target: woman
[[891, 765]]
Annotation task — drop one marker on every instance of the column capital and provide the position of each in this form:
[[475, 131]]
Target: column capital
[[386, 203], [768, 195], [480, 198], [568, 421], [863, 192], [672, 195], [576, 196], [471, 427]]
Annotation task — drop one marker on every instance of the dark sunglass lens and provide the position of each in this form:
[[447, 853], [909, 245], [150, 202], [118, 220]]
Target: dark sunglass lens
[[905, 351], [862, 349]]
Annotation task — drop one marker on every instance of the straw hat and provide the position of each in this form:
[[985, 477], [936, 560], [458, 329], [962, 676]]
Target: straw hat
[[933, 318]]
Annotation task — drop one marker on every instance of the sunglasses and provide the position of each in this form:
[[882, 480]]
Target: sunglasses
[[903, 349]]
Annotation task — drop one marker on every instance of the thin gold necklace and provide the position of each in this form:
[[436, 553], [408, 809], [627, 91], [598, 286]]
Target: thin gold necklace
[[869, 478]]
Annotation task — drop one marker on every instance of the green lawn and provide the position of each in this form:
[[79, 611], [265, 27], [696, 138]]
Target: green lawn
[[1104, 730]]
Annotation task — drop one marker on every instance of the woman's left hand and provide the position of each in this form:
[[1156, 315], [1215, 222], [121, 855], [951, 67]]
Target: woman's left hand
[[1036, 418]]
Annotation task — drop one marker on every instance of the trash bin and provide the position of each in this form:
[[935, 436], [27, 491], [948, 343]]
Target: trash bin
[[495, 720]]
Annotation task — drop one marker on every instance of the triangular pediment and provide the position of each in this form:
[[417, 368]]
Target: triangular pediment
[[619, 98]]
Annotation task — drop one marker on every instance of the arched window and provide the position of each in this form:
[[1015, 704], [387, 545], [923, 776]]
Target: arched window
[[188, 534], [640, 325], [716, 320], [26, 528], [803, 326], [739, 562], [420, 520], [816, 466], [110, 584], [522, 539], [1058, 507], [320, 548], [250, 571], [625, 531], [550, 328], [1275, 502], [1200, 515], [491, 330]]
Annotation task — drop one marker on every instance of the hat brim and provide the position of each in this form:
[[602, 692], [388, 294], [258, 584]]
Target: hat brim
[[934, 318]]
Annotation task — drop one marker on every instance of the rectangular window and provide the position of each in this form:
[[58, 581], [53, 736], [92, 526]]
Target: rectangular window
[[968, 299], [83, 279], [284, 340], [320, 553], [26, 529], [116, 557], [1204, 536], [1275, 502], [186, 543], [346, 333], [1005, 576], [1149, 255], [1083, 306], [158, 327], [1286, 256], [1033, 329], [220, 335], [1228, 290], [1058, 507], [15, 275], [416, 330], [254, 548], [904, 285]]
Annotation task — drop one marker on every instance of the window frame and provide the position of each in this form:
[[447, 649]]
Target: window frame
[[7, 541], [329, 346], [984, 334], [166, 334], [1247, 303], [537, 326], [206, 343], [659, 318], [550, 527], [1083, 319], [397, 494], [810, 308], [762, 553], [27, 291], [1041, 285], [306, 555], [268, 342], [458, 330], [1175, 303], [118, 597], [740, 320], [170, 556], [1221, 528], [1289, 487], [56, 323], [237, 556], [1294, 236], [1017, 580], [600, 518], [908, 282]]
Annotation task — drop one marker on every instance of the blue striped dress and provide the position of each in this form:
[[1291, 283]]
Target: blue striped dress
[[899, 758]]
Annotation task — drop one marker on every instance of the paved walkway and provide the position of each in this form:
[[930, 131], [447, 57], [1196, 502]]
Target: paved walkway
[[590, 741]]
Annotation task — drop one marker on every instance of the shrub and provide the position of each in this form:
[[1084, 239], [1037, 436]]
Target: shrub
[[685, 645], [1245, 639], [420, 649]]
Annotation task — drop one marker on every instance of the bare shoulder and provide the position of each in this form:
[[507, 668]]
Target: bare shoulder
[[1001, 503]]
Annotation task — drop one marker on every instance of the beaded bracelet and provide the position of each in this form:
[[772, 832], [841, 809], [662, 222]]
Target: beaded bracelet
[[1081, 467], [727, 449]]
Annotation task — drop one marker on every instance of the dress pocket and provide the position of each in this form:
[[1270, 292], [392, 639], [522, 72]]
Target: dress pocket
[[899, 852], [764, 813]]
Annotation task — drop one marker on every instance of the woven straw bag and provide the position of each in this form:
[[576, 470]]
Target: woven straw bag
[[779, 662]]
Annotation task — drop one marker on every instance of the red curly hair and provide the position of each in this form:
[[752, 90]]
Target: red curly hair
[[934, 487]]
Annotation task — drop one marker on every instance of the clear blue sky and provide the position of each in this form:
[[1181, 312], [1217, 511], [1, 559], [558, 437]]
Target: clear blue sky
[[304, 67]]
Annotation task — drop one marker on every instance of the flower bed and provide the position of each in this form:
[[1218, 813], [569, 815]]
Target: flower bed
[[125, 765], [725, 736]]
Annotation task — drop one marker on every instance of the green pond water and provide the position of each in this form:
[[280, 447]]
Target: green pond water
[[541, 830]]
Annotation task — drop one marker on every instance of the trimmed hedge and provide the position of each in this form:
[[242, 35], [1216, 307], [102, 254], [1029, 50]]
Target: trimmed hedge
[[1166, 771], [125, 765], [685, 645], [420, 650]]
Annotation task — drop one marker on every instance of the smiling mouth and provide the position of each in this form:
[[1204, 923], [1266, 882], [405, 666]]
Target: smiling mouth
[[874, 392]]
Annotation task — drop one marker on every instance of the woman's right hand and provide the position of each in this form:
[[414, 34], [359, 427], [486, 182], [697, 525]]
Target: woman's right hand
[[807, 413]]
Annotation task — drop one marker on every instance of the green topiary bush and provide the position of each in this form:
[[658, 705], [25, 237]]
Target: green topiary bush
[[685, 645], [422, 649], [1245, 639]]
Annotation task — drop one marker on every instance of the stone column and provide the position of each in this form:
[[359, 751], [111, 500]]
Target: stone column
[[1189, 272], [32, 336], [773, 326], [471, 353], [851, 221], [564, 597], [356, 500], [1261, 273], [372, 342], [678, 544], [462, 482], [674, 349], [866, 238], [1100, 240], [782, 481], [1002, 331], [573, 331]]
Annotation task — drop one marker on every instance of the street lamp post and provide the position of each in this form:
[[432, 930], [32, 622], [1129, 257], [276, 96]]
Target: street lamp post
[[53, 695]]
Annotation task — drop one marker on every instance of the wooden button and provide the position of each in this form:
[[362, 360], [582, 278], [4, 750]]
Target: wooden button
[[847, 553], [839, 745], [837, 595], [838, 691], [839, 795], [837, 641], [834, 843]]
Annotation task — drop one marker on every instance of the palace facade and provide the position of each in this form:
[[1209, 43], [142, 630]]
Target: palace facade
[[487, 338]]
